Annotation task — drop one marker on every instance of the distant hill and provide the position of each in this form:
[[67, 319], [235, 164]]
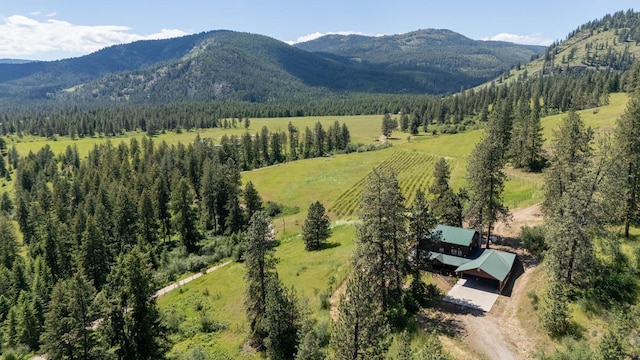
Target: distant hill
[[221, 65], [427, 50], [14, 61]]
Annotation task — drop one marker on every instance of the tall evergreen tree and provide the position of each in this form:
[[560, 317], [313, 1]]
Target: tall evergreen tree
[[526, 143], [252, 200], [68, 329], [576, 204], [8, 243], [317, 226], [381, 236], [260, 262], [148, 223], [281, 320], [319, 138], [486, 177], [627, 137], [161, 197], [447, 206], [404, 122], [133, 325], [184, 216], [421, 236], [294, 141], [94, 255], [360, 330]]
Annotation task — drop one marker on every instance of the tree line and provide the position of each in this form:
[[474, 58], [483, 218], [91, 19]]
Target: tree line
[[558, 92]]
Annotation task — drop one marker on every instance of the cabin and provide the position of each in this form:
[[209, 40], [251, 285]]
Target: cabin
[[461, 250], [457, 241]]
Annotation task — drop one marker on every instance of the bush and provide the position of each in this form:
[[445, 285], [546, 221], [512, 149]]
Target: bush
[[532, 239], [531, 294], [325, 298], [209, 325], [272, 209]]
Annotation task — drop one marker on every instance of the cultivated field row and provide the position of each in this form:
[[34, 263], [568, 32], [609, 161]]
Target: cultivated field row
[[413, 168]]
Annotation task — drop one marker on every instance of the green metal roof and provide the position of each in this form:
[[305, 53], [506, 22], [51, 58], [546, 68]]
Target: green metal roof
[[496, 263], [455, 235], [447, 259]]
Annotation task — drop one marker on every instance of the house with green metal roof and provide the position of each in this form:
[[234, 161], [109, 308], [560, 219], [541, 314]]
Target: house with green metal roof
[[462, 249], [456, 241], [491, 264]]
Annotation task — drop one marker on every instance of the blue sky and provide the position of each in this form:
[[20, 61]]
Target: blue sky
[[54, 29]]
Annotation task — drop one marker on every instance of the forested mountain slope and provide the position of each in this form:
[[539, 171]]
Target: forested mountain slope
[[611, 43], [222, 65], [426, 50]]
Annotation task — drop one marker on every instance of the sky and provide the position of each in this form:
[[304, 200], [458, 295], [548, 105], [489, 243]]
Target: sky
[[56, 29]]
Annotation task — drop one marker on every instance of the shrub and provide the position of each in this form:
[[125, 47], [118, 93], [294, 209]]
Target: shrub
[[532, 239], [325, 298], [272, 209]]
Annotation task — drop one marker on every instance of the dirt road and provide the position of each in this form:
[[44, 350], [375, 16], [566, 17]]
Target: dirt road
[[177, 284]]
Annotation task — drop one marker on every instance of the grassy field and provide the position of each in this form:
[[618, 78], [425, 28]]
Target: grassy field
[[359, 127], [219, 295]]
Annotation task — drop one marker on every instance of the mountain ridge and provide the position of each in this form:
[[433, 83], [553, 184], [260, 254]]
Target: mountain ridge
[[414, 46], [223, 64]]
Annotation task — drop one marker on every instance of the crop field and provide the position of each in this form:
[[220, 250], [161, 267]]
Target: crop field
[[414, 171]]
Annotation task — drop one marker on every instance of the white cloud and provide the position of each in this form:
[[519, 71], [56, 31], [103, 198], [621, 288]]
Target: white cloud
[[315, 35], [51, 14], [533, 39], [29, 38]]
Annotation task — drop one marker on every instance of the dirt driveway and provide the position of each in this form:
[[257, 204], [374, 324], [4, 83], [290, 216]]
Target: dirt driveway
[[498, 334]]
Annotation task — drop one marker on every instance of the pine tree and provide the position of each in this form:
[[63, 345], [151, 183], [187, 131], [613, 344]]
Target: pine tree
[[404, 122], [421, 226], [627, 137], [573, 185], [555, 313], [94, 257], [360, 330], [148, 224], [68, 329], [388, 125], [125, 215], [8, 243], [446, 206], [381, 236], [133, 325], [260, 263], [486, 178], [184, 216], [414, 125], [28, 326], [252, 200], [281, 320], [316, 228], [319, 137], [309, 343], [294, 141], [6, 204]]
